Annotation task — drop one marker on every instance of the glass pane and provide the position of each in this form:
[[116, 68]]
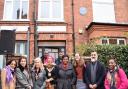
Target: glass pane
[[104, 42], [40, 52], [22, 48], [1, 61], [121, 42], [25, 48], [55, 50], [48, 49], [24, 9], [45, 9], [112, 41], [16, 9], [8, 7], [18, 48], [56, 56], [56, 9], [107, 15]]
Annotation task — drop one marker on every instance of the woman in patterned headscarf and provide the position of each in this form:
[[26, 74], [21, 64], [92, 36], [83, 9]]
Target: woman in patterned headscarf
[[51, 73]]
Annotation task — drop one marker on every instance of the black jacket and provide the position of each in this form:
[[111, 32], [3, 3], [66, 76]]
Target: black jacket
[[100, 75]]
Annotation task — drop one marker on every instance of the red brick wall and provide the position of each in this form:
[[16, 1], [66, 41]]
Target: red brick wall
[[1, 9], [81, 22], [98, 31], [121, 11]]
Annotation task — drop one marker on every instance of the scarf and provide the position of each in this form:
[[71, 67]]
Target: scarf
[[112, 82], [112, 77], [9, 74]]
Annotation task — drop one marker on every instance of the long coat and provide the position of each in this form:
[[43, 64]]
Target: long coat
[[23, 80], [11, 85], [66, 78], [100, 75], [40, 82]]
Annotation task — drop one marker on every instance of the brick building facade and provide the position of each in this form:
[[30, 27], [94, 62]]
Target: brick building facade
[[58, 24]]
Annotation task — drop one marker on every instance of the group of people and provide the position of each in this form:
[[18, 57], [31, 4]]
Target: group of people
[[48, 73]]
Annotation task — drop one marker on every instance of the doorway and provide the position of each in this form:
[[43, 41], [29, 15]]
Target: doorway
[[53, 51]]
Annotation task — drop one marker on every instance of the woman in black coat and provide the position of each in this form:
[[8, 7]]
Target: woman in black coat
[[67, 76]]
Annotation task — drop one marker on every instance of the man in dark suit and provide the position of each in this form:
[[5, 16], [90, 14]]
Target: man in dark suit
[[94, 73]]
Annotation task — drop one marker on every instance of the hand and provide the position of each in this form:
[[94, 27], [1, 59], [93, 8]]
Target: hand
[[91, 86], [30, 87], [94, 86], [48, 80]]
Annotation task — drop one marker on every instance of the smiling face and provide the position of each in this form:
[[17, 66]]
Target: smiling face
[[111, 64], [50, 60], [13, 64], [94, 56], [23, 62], [65, 60], [77, 56], [37, 63]]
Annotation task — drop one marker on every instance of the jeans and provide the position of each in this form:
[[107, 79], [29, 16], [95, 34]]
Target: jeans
[[80, 84]]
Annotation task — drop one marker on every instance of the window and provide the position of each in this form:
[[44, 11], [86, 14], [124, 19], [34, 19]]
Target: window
[[16, 9], [21, 48], [121, 41], [118, 41], [104, 41], [50, 10], [103, 11]]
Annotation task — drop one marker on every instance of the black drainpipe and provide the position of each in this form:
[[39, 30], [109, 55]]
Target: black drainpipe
[[35, 30], [73, 29]]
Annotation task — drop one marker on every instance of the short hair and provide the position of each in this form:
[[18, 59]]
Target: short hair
[[65, 56], [113, 58]]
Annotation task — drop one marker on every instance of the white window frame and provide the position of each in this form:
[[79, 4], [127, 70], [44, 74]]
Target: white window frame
[[121, 39], [23, 45], [106, 40], [103, 19], [61, 19], [118, 39], [11, 11]]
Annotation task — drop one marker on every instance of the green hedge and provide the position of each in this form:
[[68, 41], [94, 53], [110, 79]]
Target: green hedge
[[120, 52]]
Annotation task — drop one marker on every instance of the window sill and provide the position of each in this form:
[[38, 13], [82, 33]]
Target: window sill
[[16, 20], [51, 20]]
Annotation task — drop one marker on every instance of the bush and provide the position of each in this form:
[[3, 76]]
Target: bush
[[120, 52]]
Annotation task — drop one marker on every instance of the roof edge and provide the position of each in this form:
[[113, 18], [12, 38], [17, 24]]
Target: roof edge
[[107, 24]]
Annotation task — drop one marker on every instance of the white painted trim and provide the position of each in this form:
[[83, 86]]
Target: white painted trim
[[51, 28], [15, 20], [121, 39], [17, 28], [104, 1], [114, 38]]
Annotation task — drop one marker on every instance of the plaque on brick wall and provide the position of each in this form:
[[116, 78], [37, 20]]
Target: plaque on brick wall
[[83, 10]]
